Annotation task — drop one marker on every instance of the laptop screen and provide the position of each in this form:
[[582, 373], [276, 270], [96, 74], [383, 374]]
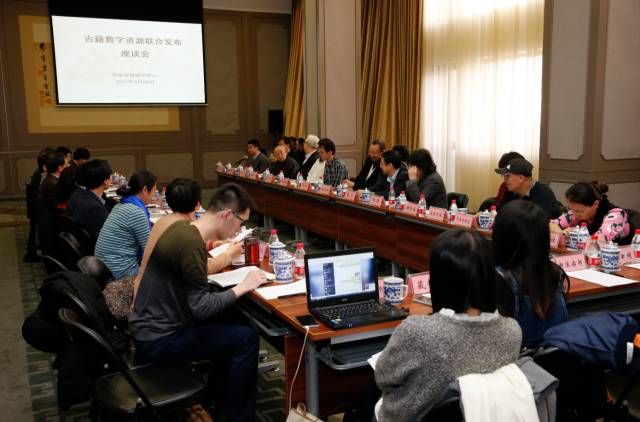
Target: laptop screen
[[341, 276]]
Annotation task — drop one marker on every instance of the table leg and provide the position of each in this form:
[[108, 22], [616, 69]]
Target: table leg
[[339, 246], [395, 269], [311, 380]]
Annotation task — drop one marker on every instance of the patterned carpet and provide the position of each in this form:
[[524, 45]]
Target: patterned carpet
[[42, 378]]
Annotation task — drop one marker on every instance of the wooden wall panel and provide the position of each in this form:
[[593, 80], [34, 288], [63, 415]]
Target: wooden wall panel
[[170, 141]]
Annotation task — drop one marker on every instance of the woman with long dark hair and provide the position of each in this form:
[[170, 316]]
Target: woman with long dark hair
[[588, 203], [530, 287], [464, 335], [124, 234], [424, 179]]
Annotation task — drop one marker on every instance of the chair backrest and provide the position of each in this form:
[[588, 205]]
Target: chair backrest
[[447, 410], [95, 268], [462, 200], [633, 217], [85, 338], [87, 244], [52, 265], [68, 250], [487, 203]]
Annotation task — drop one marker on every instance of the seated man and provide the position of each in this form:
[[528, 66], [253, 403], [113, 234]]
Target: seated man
[[310, 156], [370, 171], [87, 205], [332, 171], [256, 159], [47, 201], [393, 174], [283, 163], [177, 318], [504, 160], [520, 185]]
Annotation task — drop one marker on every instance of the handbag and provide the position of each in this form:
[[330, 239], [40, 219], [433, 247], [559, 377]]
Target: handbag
[[300, 414]]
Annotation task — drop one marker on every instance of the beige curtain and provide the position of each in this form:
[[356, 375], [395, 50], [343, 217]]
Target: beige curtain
[[294, 96], [481, 88], [391, 71]]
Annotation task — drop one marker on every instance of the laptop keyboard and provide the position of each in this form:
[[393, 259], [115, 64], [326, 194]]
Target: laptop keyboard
[[355, 309]]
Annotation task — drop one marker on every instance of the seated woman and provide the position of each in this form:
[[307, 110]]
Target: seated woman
[[464, 335], [588, 203], [530, 288], [125, 232], [424, 179]]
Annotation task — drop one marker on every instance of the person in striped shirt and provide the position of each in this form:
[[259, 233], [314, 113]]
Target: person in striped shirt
[[125, 233]]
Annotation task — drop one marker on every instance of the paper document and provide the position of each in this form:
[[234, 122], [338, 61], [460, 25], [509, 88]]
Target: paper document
[[220, 249], [603, 279], [373, 360], [244, 232], [274, 292], [231, 278], [635, 266]]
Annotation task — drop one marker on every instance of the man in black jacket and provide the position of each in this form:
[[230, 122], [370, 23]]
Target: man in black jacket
[[48, 201], [284, 163], [86, 204], [392, 172], [371, 169], [310, 154]]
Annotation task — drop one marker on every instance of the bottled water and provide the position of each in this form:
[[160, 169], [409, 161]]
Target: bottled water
[[300, 178], [392, 197], [635, 246], [281, 176], [494, 212], [401, 201], [123, 180], [422, 206], [453, 210], [272, 240], [299, 260], [593, 252], [583, 236]]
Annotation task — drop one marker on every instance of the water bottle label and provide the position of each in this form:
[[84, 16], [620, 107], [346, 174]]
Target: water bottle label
[[593, 261]]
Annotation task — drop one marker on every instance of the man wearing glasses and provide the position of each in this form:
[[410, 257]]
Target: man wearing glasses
[[176, 317], [517, 175]]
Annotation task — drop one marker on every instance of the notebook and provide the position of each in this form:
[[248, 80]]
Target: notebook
[[342, 289]]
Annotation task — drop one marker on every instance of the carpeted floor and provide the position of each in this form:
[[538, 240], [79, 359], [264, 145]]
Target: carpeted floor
[[42, 377]]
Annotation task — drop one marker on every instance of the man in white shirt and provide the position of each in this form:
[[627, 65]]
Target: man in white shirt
[[310, 155]]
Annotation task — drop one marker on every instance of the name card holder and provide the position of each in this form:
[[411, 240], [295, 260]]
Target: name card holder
[[325, 190], [268, 178], [572, 262], [284, 182], [376, 200], [419, 283], [554, 240], [349, 195], [463, 220], [626, 254], [437, 214], [410, 208], [303, 185], [381, 288]]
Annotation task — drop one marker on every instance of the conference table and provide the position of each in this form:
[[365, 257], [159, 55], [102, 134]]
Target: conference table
[[337, 359]]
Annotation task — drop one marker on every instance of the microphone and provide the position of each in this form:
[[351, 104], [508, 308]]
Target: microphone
[[242, 159]]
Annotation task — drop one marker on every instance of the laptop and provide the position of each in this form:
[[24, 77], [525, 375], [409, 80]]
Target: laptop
[[342, 289]]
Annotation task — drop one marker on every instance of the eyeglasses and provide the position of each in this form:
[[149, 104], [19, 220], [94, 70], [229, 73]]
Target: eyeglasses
[[242, 220]]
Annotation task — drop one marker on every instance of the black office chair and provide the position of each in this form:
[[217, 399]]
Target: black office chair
[[52, 265], [146, 392], [447, 410], [462, 200], [87, 245], [68, 250], [98, 270], [487, 203]]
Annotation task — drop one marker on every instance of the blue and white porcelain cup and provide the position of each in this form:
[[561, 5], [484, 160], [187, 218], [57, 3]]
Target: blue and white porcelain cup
[[283, 267], [395, 291], [573, 239], [276, 250], [484, 220], [610, 257], [365, 196]]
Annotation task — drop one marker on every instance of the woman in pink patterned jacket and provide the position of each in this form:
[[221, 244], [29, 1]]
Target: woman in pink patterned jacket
[[588, 203]]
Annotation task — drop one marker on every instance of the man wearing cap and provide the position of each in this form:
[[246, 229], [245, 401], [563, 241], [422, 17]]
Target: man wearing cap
[[310, 154], [520, 185]]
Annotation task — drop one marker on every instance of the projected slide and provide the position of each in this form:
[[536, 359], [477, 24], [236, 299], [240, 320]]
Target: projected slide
[[102, 61]]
